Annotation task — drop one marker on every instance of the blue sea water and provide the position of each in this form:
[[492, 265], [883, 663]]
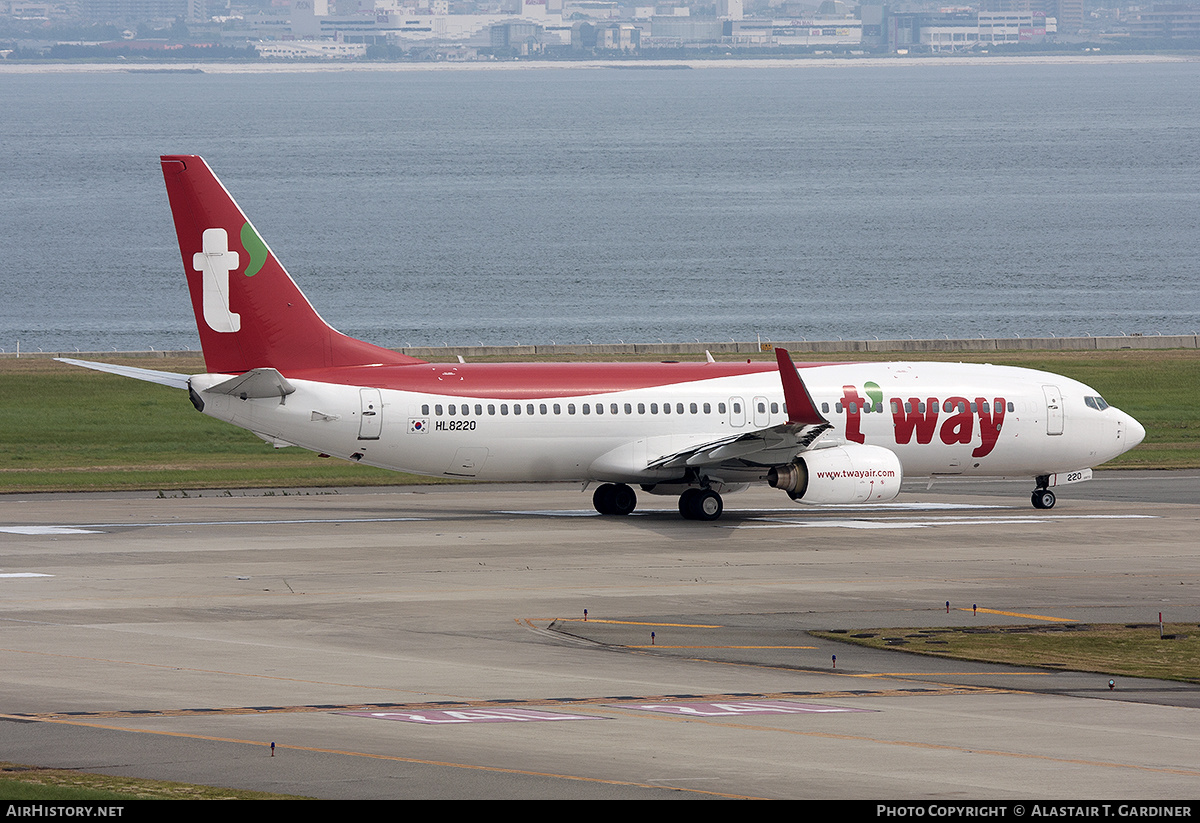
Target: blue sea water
[[568, 205]]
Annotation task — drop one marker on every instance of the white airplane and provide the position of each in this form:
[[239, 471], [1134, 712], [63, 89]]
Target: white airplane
[[824, 434]]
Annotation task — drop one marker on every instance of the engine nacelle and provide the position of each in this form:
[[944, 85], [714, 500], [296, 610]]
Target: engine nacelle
[[845, 474]]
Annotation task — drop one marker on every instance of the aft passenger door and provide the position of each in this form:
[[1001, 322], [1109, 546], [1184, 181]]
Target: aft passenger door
[[371, 418]]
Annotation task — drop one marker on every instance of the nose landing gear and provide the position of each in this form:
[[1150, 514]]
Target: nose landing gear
[[1042, 497]]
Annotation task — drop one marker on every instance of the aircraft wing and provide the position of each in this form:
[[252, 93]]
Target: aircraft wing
[[769, 446]]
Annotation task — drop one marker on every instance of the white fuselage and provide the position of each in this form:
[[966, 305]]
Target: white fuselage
[[939, 419]]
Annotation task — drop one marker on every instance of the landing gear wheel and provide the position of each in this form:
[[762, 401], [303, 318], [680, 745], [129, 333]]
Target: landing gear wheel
[[602, 498], [1043, 499], [623, 499], [614, 498], [701, 504]]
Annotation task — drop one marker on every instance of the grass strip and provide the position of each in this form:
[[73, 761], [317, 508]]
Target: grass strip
[[32, 783], [1111, 649]]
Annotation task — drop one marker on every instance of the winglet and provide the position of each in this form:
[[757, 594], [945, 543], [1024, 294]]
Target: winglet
[[800, 406]]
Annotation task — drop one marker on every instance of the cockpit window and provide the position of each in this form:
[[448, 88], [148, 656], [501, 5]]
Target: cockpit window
[[1096, 403]]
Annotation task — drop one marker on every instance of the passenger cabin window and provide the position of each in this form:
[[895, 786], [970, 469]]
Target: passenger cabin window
[[425, 408]]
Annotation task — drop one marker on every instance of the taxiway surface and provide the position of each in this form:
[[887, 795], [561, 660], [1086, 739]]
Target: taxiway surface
[[429, 642]]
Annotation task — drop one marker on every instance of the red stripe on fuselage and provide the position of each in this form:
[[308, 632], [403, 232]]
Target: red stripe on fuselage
[[523, 381]]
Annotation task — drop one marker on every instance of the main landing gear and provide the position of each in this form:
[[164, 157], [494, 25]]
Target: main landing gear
[[700, 504], [614, 498], [694, 504]]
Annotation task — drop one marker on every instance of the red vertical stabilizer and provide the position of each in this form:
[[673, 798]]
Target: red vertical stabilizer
[[249, 312]]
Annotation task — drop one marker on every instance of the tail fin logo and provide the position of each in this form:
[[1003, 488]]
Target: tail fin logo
[[215, 263], [254, 247]]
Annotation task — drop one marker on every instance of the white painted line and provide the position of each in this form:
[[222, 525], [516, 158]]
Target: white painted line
[[24, 574], [98, 528], [896, 523], [47, 530]]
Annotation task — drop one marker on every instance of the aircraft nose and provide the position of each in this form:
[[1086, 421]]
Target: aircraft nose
[[1135, 432]]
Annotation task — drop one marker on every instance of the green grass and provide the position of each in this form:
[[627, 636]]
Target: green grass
[[63, 428], [28, 783], [1129, 651]]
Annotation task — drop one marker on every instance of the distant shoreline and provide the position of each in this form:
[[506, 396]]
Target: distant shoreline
[[300, 67]]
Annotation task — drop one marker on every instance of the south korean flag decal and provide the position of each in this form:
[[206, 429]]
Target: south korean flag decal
[[417, 425]]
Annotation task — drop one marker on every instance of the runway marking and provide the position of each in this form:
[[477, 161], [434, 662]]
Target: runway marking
[[31, 530], [442, 716], [744, 708], [24, 574], [904, 523], [1025, 616], [97, 528]]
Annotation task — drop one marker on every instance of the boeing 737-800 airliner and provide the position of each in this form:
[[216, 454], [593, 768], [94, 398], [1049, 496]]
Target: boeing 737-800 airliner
[[824, 433]]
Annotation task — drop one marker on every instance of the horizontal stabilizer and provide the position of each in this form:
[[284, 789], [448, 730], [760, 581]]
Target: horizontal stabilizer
[[255, 383], [164, 378]]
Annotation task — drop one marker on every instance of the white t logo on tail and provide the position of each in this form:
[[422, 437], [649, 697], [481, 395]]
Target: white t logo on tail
[[215, 262]]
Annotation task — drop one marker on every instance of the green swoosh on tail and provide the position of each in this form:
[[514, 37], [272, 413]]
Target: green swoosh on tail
[[254, 247]]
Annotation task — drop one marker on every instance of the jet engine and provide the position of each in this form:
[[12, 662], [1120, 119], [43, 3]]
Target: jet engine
[[844, 474]]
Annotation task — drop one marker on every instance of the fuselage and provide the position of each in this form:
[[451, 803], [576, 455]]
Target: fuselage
[[609, 422]]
